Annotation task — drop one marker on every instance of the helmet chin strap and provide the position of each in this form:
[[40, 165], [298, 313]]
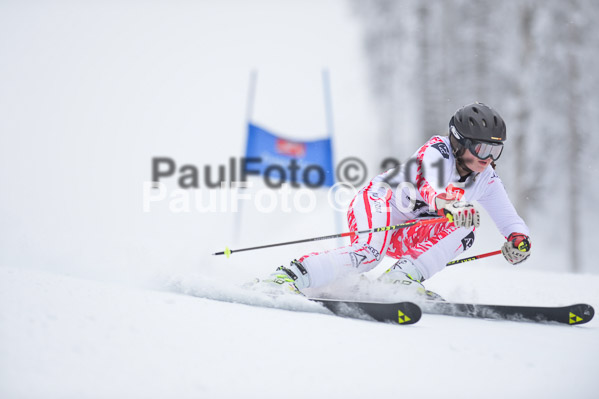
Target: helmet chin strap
[[462, 165], [458, 151]]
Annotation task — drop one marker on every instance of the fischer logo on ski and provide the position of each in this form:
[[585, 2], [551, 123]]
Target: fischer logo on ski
[[402, 318]]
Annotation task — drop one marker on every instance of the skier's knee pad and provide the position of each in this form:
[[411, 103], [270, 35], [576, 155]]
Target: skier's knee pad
[[365, 257]]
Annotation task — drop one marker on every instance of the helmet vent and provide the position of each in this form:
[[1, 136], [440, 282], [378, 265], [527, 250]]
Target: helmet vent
[[495, 120], [475, 109], [471, 120], [484, 123]]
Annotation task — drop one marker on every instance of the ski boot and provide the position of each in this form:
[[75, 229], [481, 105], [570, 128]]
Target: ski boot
[[406, 274], [284, 280]]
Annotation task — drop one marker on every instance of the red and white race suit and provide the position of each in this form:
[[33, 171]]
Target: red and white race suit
[[407, 193]]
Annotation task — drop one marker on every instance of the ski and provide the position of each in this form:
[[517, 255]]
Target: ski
[[570, 315], [402, 313]]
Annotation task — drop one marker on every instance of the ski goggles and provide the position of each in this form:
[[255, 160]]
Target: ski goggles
[[483, 150], [480, 149]]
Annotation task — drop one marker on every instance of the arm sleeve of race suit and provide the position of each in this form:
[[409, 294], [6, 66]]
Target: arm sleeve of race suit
[[498, 205], [432, 161]]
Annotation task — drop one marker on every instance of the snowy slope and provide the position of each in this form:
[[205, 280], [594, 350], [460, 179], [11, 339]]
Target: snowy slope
[[63, 337]]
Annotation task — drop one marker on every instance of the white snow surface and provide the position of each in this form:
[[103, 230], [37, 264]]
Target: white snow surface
[[69, 337]]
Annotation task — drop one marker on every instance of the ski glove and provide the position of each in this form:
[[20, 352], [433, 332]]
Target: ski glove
[[517, 248], [461, 213]]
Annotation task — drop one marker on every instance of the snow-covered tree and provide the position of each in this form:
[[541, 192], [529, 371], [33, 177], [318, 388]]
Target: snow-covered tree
[[533, 61]]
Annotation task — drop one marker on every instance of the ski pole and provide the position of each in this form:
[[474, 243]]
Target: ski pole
[[475, 257], [227, 252]]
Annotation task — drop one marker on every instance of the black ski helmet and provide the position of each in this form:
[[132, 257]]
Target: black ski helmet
[[479, 122], [479, 128]]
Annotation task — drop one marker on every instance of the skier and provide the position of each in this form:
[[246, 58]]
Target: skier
[[443, 178]]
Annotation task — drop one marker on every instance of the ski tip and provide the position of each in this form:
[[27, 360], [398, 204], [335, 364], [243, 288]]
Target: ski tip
[[402, 313], [409, 313], [580, 313]]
